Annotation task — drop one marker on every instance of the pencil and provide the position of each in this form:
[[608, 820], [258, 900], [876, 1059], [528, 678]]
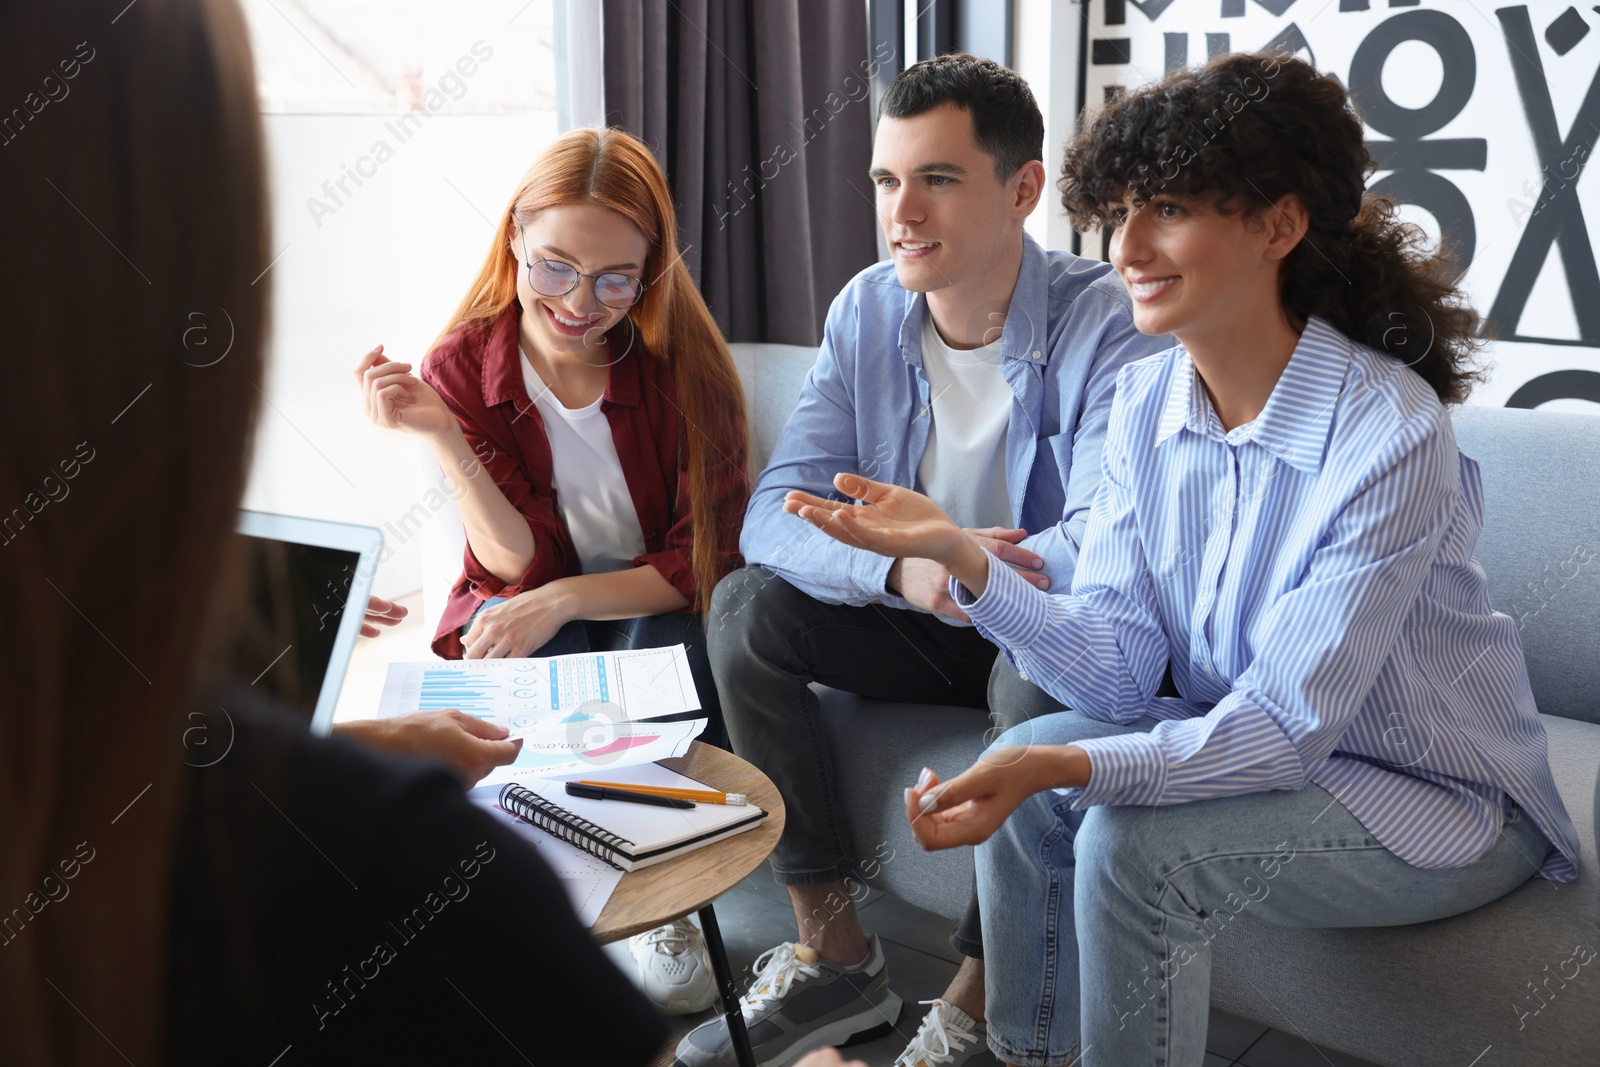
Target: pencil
[[702, 796]]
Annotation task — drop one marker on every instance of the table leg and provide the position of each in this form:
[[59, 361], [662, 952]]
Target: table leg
[[730, 995]]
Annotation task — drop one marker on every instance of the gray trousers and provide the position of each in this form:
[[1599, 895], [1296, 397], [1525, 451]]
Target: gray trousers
[[768, 641]]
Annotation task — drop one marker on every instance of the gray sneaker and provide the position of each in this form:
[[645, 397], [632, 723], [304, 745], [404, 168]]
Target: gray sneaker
[[799, 1002]]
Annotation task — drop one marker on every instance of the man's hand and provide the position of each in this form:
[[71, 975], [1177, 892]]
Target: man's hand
[[1006, 546], [468, 746], [926, 584], [381, 613]]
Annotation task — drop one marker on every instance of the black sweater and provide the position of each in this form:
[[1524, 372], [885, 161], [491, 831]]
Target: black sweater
[[334, 906]]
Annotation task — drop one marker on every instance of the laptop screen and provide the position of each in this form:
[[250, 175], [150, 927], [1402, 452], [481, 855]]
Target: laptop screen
[[308, 587], [301, 593]]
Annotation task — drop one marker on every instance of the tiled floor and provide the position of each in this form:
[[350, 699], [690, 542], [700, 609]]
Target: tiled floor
[[755, 915]]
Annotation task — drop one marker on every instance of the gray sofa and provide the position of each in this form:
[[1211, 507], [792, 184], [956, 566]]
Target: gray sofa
[[1493, 987]]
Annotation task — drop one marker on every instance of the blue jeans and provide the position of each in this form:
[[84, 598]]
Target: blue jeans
[[647, 631], [1099, 923]]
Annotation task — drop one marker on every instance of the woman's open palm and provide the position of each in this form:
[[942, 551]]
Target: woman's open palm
[[890, 520]]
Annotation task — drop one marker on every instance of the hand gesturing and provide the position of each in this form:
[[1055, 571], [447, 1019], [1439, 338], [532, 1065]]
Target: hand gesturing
[[396, 399], [889, 520]]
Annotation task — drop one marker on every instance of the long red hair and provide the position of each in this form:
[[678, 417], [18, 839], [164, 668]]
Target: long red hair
[[616, 170]]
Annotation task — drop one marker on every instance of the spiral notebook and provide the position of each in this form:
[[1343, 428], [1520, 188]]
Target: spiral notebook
[[628, 836]]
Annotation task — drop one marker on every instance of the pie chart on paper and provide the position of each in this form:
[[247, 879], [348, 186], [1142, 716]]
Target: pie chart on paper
[[621, 744], [555, 754]]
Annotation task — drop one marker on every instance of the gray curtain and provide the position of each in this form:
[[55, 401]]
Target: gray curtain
[[760, 112]]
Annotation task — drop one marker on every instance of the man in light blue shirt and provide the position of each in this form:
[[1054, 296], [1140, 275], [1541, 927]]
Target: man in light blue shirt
[[977, 368]]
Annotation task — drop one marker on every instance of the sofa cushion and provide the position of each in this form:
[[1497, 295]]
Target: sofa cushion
[[1510, 975], [773, 376], [878, 750], [1541, 543]]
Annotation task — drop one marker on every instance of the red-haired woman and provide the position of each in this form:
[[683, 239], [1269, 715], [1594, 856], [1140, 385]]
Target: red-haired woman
[[585, 398], [584, 374]]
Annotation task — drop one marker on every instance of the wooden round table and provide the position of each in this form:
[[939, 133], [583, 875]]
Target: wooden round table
[[655, 896]]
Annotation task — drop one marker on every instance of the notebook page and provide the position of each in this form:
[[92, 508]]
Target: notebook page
[[647, 826], [588, 881]]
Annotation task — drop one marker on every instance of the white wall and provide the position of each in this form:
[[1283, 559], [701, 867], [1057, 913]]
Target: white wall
[[389, 265], [379, 225], [1045, 49]]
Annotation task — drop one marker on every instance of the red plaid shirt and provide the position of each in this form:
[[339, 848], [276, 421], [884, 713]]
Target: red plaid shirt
[[479, 375]]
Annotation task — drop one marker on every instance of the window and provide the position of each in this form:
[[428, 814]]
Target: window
[[396, 131]]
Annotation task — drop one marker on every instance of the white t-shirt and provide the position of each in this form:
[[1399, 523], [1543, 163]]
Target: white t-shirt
[[591, 494], [964, 467]]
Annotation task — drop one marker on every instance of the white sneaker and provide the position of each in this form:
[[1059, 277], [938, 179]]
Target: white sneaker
[[673, 968], [947, 1035]]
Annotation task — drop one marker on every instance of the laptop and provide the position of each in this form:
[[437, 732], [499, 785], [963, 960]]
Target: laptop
[[310, 581]]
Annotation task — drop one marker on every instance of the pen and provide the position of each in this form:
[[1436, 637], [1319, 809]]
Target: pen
[[595, 792], [704, 796]]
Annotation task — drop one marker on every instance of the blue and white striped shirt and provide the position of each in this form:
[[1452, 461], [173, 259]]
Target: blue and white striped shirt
[[1309, 578]]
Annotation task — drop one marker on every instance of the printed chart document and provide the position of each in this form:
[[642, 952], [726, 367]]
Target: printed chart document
[[575, 714], [586, 749], [534, 695], [588, 880]]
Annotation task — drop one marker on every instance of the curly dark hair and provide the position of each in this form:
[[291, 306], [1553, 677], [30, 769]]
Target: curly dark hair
[[1244, 130], [1006, 121]]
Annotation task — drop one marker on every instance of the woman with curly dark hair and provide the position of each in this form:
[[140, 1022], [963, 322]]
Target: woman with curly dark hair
[[1286, 526]]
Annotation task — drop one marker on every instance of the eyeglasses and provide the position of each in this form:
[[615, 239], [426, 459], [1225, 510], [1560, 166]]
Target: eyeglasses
[[550, 277]]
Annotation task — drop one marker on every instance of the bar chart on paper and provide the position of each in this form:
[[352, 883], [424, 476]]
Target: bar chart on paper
[[471, 693], [531, 695]]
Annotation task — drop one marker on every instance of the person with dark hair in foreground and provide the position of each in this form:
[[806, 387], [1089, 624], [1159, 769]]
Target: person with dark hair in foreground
[[1285, 522], [977, 367], [294, 900]]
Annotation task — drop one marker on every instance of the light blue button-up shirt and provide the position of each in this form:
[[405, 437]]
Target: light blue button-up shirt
[[865, 409], [1309, 578]]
